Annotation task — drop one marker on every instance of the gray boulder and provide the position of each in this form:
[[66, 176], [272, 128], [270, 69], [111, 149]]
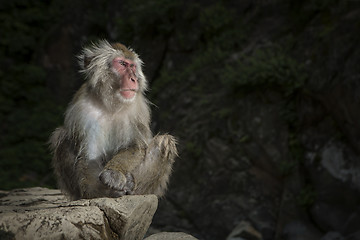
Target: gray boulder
[[40, 213], [170, 236]]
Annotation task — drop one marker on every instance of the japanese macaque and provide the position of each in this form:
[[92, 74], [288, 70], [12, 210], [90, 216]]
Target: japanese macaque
[[105, 147]]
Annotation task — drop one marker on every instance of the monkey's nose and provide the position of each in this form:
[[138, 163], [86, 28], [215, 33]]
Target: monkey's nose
[[133, 79]]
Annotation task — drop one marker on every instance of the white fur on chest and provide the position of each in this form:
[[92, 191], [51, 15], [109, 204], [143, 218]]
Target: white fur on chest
[[104, 134]]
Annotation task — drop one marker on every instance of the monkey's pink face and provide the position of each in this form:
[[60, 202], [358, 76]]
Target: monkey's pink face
[[126, 69]]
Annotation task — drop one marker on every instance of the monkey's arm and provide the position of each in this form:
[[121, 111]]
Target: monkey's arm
[[117, 173], [64, 163], [142, 171], [126, 160]]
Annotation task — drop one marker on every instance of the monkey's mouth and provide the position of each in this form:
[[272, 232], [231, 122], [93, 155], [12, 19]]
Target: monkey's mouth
[[128, 89], [128, 93]]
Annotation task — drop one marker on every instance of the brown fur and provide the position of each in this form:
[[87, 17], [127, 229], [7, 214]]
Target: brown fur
[[106, 148], [127, 52]]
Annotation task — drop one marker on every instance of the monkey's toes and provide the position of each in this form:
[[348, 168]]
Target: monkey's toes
[[166, 145], [113, 179], [130, 184]]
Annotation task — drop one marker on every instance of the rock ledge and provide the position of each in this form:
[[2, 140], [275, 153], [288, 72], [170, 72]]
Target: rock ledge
[[40, 213]]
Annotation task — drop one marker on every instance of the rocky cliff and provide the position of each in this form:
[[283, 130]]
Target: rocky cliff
[[262, 95], [40, 213]]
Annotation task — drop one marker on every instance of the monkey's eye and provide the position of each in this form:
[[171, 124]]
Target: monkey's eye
[[125, 64], [122, 65], [133, 67]]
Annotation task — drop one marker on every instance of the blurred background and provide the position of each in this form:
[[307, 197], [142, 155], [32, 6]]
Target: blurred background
[[263, 97]]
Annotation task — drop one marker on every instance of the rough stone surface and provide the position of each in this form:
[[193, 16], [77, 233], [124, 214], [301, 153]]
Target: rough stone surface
[[40, 213], [332, 236], [285, 159], [170, 236], [244, 230], [298, 230]]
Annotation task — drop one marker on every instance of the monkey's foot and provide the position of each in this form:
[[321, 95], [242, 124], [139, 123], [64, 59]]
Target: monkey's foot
[[121, 184], [163, 147]]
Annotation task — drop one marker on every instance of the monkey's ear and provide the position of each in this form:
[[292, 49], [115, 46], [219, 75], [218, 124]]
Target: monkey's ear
[[87, 61], [84, 60]]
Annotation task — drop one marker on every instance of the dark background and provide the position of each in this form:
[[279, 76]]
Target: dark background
[[262, 95]]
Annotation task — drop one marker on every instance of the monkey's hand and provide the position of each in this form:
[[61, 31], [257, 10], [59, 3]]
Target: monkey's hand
[[117, 173], [120, 183]]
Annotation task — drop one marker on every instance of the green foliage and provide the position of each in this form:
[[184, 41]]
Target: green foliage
[[218, 67], [216, 74], [220, 28], [222, 112], [147, 19], [193, 149], [286, 167], [266, 68], [27, 115], [270, 69], [319, 5], [24, 24], [306, 197], [27, 111]]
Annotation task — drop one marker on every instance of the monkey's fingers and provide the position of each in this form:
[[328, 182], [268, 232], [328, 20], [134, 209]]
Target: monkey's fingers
[[120, 184], [130, 184], [113, 179]]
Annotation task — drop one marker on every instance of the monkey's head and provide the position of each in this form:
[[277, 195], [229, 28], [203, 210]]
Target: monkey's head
[[114, 72]]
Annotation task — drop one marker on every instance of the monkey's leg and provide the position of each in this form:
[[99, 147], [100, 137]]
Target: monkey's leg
[[63, 164], [152, 175], [117, 172]]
